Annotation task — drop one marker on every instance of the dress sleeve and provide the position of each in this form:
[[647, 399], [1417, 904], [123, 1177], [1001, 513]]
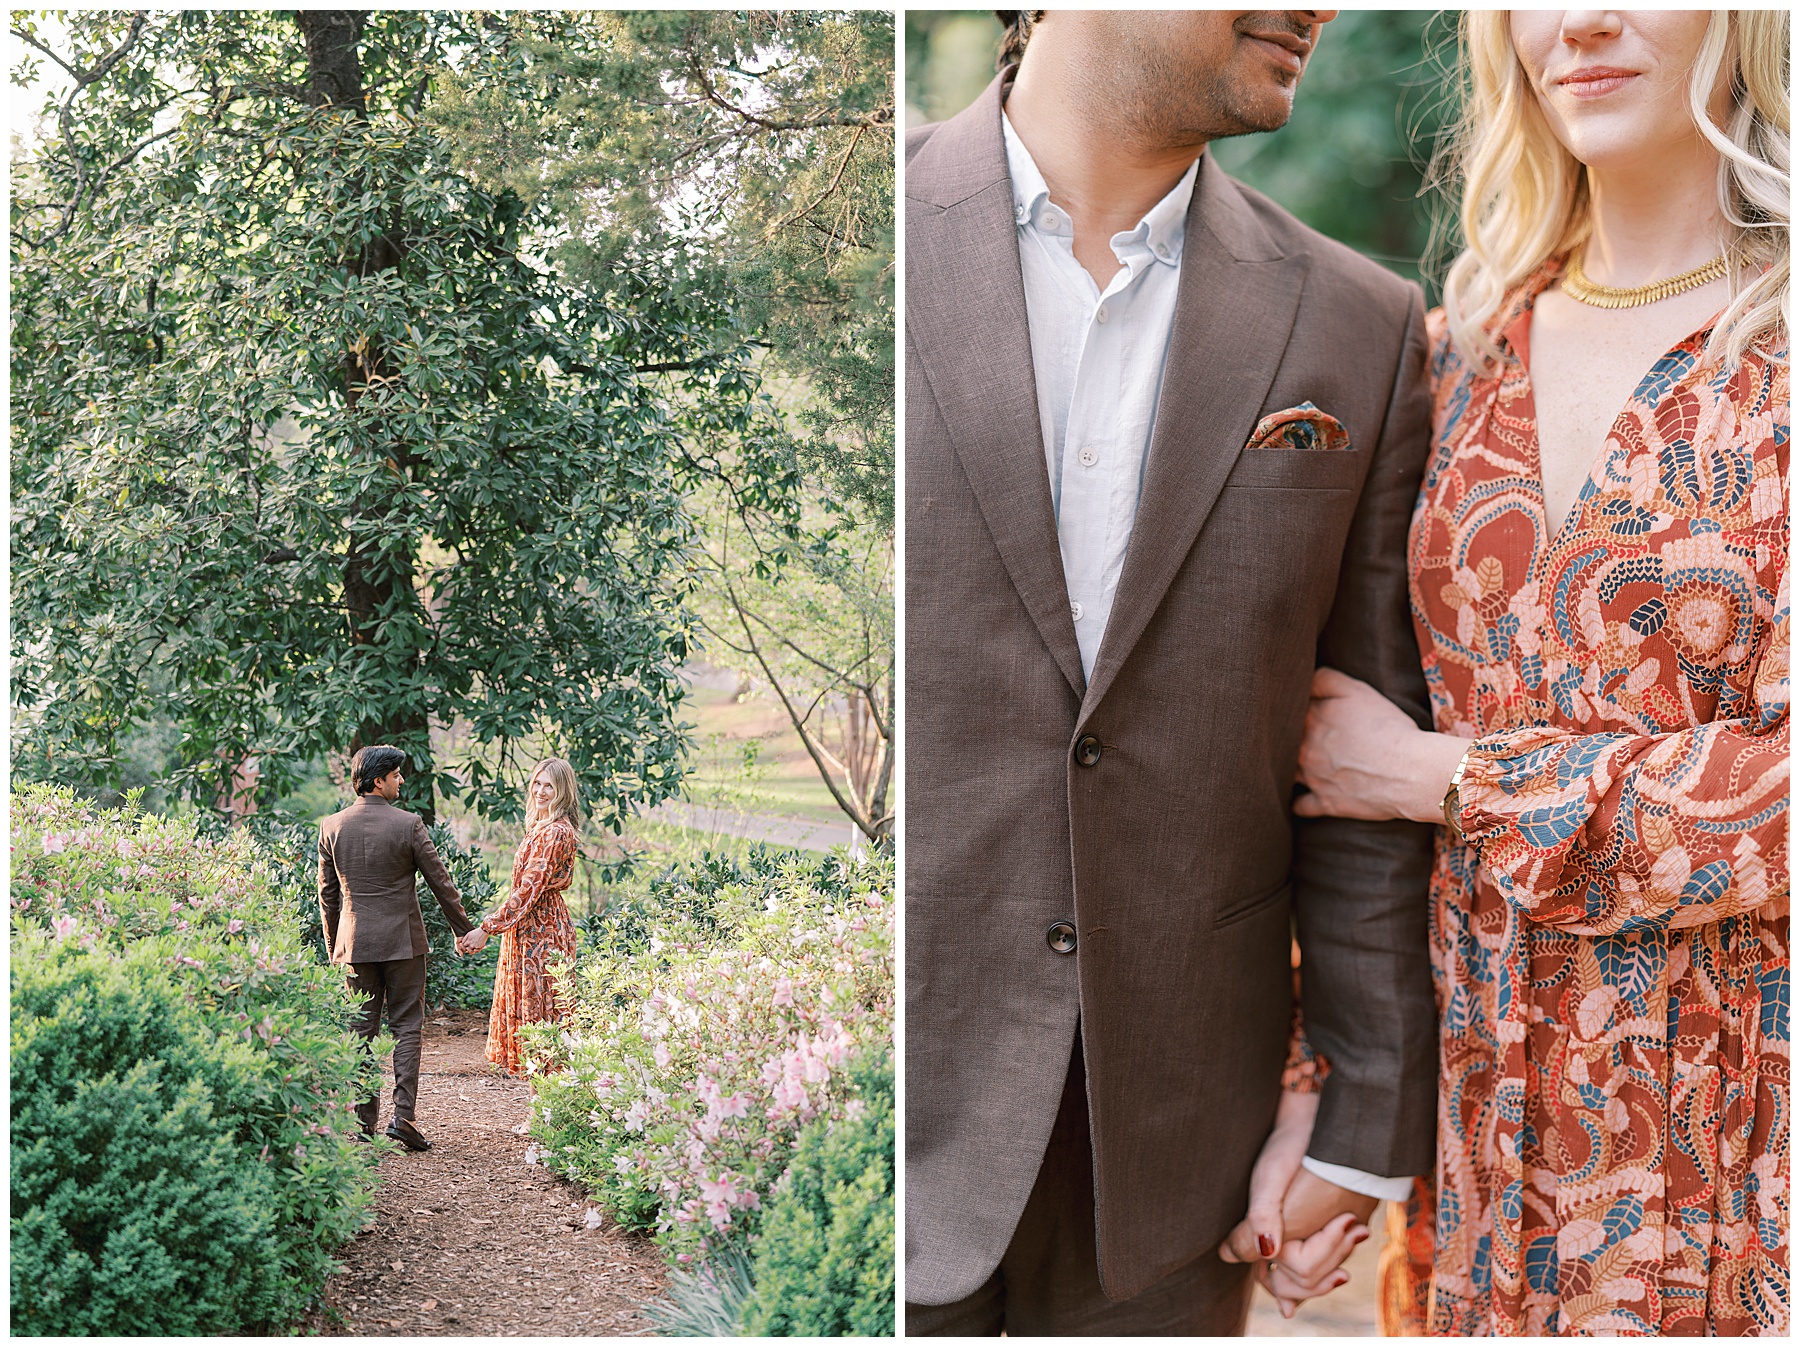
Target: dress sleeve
[[546, 855], [1604, 833], [1305, 1070]]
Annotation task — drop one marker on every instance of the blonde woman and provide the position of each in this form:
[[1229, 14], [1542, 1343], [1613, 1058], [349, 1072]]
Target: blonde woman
[[1598, 568], [533, 923]]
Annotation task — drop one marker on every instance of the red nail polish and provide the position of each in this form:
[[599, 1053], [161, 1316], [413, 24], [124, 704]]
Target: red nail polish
[[1265, 1246]]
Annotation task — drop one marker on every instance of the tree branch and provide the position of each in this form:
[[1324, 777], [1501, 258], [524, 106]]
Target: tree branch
[[816, 751]]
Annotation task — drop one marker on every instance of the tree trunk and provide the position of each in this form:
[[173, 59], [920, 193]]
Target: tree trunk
[[374, 583], [333, 64]]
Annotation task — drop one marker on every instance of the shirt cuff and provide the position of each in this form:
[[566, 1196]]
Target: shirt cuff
[[1369, 1185]]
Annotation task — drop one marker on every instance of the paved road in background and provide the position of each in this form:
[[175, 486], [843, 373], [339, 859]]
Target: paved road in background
[[807, 834]]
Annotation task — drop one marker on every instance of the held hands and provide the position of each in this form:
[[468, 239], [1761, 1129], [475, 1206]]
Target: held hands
[[1363, 757], [1300, 1228], [472, 942]]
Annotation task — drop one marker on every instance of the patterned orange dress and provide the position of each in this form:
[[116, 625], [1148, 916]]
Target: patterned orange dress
[[1610, 946], [535, 932]]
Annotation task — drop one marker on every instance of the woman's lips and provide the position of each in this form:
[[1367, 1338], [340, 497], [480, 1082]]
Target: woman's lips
[[1596, 81]]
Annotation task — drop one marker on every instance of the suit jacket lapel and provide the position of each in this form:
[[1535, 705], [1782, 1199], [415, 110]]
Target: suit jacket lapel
[[965, 318], [1236, 306]]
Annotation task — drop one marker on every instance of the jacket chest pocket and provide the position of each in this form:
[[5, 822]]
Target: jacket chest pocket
[[1297, 470]]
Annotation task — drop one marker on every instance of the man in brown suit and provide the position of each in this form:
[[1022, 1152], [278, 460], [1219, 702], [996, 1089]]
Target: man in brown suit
[[370, 905], [1142, 505]]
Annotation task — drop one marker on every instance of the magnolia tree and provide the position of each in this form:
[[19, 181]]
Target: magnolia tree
[[311, 451]]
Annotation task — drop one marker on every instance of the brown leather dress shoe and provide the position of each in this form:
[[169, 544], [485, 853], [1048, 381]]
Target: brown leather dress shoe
[[408, 1136]]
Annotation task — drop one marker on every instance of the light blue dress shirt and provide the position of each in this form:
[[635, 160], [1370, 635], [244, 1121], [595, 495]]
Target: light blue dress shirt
[[1099, 358]]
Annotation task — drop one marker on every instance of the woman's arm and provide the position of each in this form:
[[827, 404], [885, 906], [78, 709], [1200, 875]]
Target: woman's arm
[[1603, 833], [1589, 833], [547, 854]]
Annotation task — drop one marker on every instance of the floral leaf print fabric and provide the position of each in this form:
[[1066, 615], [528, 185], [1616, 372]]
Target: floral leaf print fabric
[[1610, 947], [536, 932]]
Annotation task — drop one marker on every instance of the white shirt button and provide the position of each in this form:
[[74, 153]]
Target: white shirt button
[[1088, 456], [1100, 315], [1075, 611], [1162, 250], [1019, 211]]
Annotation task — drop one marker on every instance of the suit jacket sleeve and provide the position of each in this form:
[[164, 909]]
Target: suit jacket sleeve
[[431, 865], [331, 895], [1361, 888]]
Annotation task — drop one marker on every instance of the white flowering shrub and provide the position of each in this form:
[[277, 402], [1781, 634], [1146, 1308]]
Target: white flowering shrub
[[698, 1048]]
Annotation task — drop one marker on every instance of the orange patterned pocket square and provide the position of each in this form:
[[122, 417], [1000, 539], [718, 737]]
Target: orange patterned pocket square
[[1302, 427]]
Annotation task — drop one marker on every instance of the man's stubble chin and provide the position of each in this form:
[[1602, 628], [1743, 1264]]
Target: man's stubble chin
[[1175, 107]]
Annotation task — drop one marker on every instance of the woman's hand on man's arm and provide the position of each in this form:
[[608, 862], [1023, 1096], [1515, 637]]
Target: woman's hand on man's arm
[[1363, 757]]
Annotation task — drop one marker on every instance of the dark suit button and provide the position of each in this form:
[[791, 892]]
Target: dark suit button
[[1061, 937], [1087, 750]]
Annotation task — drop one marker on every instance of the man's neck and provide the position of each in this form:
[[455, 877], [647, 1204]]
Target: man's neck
[[1104, 177]]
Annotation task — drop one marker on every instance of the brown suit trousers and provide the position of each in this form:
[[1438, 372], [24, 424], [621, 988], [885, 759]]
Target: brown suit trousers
[[1148, 807]]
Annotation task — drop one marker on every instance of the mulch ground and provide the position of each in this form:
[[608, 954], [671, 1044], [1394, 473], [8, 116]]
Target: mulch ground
[[468, 1239]]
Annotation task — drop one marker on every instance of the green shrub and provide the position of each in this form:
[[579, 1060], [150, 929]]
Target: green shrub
[[134, 1209], [182, 1083], [824, 1263], [289, 849], [704, 900]]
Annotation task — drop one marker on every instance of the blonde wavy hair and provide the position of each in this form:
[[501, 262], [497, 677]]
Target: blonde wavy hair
[[1524, 198], [564, 803]]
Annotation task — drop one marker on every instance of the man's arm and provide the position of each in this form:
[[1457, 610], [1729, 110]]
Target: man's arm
[[1361, 887], [331, 894], [443, 888]]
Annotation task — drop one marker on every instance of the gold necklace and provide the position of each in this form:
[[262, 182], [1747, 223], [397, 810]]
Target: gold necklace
[[1577, 286]]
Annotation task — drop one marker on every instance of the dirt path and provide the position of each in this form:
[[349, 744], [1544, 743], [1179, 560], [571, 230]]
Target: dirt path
[[469, 1240]]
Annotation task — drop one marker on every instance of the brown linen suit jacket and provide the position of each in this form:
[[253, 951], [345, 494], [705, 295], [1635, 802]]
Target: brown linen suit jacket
[[367, 896], [1175, 853]]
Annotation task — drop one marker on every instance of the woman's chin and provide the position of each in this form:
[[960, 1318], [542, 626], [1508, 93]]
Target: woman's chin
[[1621, 139]]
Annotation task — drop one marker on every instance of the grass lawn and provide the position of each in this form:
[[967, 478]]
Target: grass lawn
[[787, 781]]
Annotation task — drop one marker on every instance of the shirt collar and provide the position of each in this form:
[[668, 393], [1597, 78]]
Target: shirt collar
[[1163, 228]]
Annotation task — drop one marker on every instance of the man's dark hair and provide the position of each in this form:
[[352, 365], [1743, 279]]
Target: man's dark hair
[[1017, 23], [372, 763]]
